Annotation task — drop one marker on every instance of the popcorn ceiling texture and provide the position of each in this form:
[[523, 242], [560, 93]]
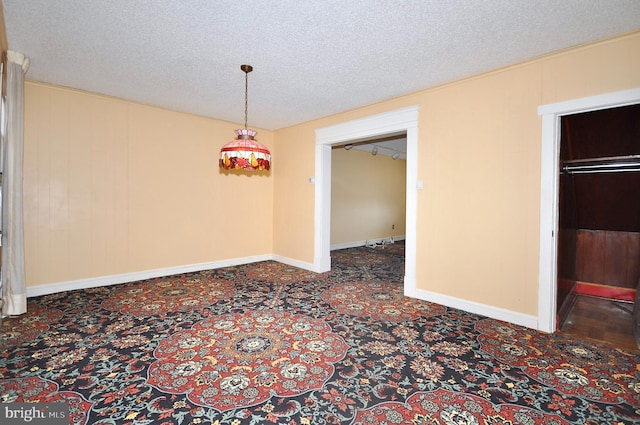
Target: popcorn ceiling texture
[[311, 58]]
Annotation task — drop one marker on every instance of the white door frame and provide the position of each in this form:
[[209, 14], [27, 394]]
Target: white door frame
[[549, 180], [403, 120]]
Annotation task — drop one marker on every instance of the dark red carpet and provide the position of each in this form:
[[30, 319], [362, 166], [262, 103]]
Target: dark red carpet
[[274, 344]]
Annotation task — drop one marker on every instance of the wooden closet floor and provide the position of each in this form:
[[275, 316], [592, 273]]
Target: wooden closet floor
[[602, 320]]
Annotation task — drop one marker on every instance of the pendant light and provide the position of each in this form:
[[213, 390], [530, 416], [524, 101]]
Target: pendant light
[[244, 152]]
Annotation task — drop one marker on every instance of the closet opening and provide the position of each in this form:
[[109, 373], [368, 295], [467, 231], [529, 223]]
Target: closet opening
[[598, 251]]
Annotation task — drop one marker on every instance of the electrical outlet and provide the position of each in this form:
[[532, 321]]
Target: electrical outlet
[[393, 226]]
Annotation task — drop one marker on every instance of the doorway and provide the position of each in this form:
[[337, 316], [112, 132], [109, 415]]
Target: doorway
[[549, 192], [599, 224], [368, 193], [390, 123]]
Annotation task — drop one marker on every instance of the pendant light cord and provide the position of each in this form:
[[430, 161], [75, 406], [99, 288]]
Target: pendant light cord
[[246, 97], [246, 69]]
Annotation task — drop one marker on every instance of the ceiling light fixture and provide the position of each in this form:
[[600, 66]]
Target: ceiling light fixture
[[244, 152], [347, 147]]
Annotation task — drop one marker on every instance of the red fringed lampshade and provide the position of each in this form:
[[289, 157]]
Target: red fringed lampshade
[[244, 152]]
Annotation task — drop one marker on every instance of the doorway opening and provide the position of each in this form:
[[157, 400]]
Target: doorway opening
[[550, 188], [599, 224], [393, 123], [368, 193]]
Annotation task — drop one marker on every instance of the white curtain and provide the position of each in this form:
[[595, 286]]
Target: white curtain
[[14, 291]]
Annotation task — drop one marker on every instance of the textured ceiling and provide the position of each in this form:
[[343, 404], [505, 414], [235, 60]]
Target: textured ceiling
[[311, 58]]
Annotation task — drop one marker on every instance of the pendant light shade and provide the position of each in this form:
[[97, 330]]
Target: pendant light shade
[[244, 152]]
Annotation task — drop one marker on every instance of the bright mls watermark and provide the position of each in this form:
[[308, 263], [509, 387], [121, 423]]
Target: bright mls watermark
[[34, 413]]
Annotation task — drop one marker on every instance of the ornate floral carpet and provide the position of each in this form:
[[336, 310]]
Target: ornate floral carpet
[[274, 344]]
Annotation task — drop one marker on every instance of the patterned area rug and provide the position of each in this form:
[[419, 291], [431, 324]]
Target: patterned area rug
[[274, 344]]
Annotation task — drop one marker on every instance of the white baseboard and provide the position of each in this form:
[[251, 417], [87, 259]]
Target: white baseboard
[[346, 245], [363, 243], [470, 306], [52, 288], [295, 263], [477, 308]]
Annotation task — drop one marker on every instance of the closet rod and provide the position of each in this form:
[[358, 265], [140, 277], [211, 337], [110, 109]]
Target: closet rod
[[612, 164]]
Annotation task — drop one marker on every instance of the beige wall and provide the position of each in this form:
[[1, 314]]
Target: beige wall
[[479, 157], [294, 194], [367, 196], [113, 187]]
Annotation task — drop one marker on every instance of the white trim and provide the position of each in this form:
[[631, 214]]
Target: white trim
[[347, 245], [393, 122], [322, 211], [477, 308], [373, 126], [592, 103], [35, 291], [547, 260], [547, 267], [411, 221], [295, 263], [363, 243]]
